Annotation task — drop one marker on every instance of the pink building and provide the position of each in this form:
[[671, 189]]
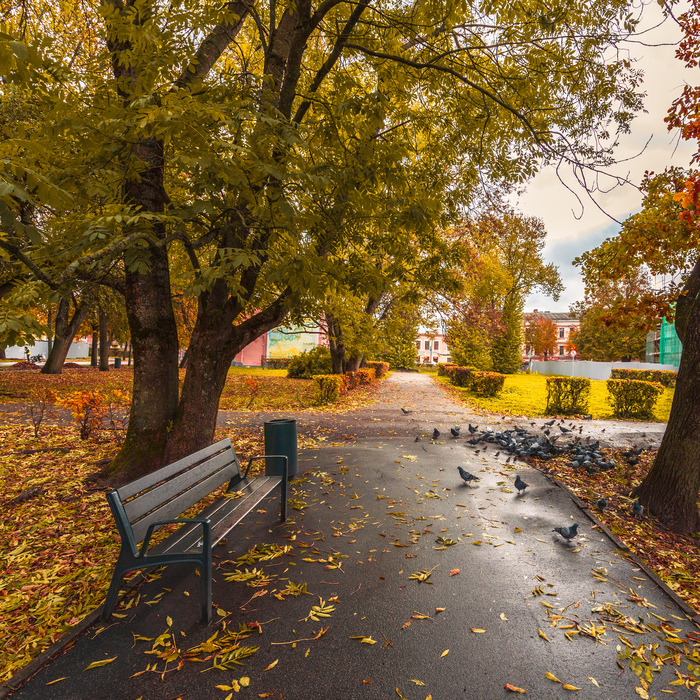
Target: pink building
[[432, 349], [566, 324], [278, 344]]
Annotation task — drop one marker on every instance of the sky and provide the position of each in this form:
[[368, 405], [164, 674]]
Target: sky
[[571, 230]]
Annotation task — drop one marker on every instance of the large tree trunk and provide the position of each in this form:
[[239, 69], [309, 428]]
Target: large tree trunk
[[670, 489], [335, 344], [214, 343], [65, 332], [155, 393], [94, 346]]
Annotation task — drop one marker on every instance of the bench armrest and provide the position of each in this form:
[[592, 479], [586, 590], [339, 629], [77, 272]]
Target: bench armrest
[[204, 522], [284, 457]]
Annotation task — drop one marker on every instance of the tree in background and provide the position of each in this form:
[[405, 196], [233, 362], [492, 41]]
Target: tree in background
[[540, 335], [503, 259]]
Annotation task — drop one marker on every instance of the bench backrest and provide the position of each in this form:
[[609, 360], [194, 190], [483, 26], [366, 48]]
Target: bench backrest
[[168, 492]]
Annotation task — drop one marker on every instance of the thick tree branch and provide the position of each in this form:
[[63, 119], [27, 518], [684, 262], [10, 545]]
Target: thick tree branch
[[688, 299]]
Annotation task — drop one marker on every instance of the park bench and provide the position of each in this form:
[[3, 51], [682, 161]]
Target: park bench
[[160, 498]]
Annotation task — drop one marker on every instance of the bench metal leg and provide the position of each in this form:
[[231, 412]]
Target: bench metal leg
[[206, 576], [113, 592]]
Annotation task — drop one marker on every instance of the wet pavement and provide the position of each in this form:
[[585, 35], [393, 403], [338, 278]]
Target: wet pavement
[[424, 586]]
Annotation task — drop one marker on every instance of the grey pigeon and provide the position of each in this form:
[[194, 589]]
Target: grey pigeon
[[551, 422], [602, 504], [568, 533], [519, 483], [436, 434], [404, 411], [467, 476], [473, 428], [588, 416], [637, 509], [455, 431]]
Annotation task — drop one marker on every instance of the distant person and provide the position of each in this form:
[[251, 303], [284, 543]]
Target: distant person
[[26, 353]]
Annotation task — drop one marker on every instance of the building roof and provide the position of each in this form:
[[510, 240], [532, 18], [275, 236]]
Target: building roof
[[554, 315]]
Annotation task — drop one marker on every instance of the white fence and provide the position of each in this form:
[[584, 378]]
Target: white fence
[[16, 352], [592, 370]]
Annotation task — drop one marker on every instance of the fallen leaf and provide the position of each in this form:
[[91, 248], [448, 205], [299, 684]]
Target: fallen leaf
[[445, 653], [514, 689], [552, 677], [566, 686], [476, 630], [594, 681], [454, 572], [503, 617], [272, 665], [417, 682], [97, 664], [439, 610], [543, 635]]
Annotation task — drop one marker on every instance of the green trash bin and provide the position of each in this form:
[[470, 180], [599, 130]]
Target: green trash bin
[[281, 439], [117, 362]]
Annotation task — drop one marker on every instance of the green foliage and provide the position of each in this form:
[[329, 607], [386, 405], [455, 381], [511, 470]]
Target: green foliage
[[310, 363], [487, 383], [329, 387], [632, 398], [666, 378], [567, 396], [380, 368], [506, 350], [604, 338], [459, 376]]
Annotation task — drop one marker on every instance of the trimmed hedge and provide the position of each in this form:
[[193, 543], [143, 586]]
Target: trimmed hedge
[[567, 396], [329, 387], [665, 377], [633, 398], [444, 369], [310, 363], [461, 376], [352, 381], [486, 383], [381, 368], [366, 375]]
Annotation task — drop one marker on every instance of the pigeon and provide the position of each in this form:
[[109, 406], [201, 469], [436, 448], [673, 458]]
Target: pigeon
[[417, 439], [467, 476], [551, 422], [436, 434], [564, 430], [473, 428], [602, 504], [588, 416], [519, 483], [568, 533], [637, 509], [404, 411], [455, 431], [633, 461]]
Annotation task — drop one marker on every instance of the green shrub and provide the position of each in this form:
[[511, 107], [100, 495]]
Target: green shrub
[[366, 375], [567, 395], [665, 377], [633, 398], [444, 369], [310, 363], [381, 368], [329, 387], [461, 376], [352, 381], [486, 383]]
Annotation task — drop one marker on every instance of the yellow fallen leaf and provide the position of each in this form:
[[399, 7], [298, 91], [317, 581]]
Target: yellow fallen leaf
[[566, 686], [57, 680], [445, 653], [439, 610], [517, 529], [552, 677], [543, 635], [476, 630], [514, 689], [272, 665], [503, 617], [169, 620], [97, 664], [245, 681], [417, 682], [642, 693], [594, 681]]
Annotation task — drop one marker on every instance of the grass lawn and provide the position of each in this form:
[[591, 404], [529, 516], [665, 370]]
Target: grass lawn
[[526, 395]]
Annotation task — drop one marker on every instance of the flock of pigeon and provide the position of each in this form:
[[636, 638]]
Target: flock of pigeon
[[518, 442]]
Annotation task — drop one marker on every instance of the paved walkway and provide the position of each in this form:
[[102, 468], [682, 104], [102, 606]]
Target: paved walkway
[[380, 512]]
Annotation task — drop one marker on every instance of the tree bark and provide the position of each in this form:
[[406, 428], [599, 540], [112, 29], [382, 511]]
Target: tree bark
[[335, 344], [214, 343], [155, 394], [104, 344], [94, 345], [670, 489], [66, 328]]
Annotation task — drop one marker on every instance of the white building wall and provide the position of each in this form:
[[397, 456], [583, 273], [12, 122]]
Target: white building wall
[[592, 370]]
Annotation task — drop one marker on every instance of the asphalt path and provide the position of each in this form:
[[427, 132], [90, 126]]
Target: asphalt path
[[380, 511]]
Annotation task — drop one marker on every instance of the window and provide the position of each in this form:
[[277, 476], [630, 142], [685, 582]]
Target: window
[[427, 345], [561, 349], [561, 332], [417, 344], [436, 345]]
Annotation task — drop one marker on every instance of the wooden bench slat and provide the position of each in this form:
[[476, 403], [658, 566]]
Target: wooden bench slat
[[178, 505], [181, 483], [149, 480]]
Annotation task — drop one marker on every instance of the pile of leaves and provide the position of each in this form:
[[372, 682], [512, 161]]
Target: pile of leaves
[[675, 558]]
